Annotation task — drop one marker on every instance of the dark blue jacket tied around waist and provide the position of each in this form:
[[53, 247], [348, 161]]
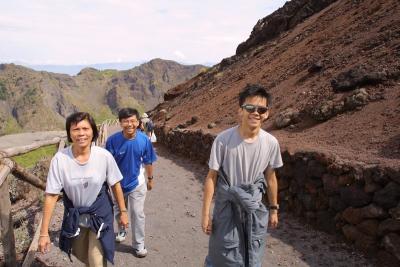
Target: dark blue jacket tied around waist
[[101, 223], [240, 222]]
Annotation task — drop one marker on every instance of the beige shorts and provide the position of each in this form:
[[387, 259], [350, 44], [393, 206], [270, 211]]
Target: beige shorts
[[87, 248]]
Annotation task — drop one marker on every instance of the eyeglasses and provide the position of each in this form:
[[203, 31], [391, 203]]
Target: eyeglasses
[[127, 122], [253, 108]]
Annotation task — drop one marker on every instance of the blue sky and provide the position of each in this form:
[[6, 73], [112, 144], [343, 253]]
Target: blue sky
[[74, 32]]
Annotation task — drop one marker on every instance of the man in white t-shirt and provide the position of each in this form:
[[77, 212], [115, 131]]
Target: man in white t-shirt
[[242, 159]]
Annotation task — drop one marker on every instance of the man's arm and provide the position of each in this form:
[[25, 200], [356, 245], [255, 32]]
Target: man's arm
[[149, 172], [272, 192], [209, 188], [119, 197]]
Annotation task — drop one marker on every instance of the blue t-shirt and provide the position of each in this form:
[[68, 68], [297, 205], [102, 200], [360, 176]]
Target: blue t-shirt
[[130, 154]]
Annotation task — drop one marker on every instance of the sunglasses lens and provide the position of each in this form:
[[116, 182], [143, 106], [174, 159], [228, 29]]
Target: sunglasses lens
[[252, 108], [262, 110], [249, 108]]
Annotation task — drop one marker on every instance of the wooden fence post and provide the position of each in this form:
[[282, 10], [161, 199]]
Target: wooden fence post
[[24, 175], [6, 224]]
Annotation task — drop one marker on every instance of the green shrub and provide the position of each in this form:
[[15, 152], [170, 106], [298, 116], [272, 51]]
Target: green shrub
[[3, 91], [29, 159]]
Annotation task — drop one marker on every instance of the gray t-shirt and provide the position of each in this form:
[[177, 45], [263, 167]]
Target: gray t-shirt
[[244, 162], [82, 181]]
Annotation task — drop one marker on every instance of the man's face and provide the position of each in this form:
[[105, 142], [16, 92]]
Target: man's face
[[251, 117], [129, 125]]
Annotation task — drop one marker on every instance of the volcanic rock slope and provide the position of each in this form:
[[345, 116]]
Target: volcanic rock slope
[[39, 100], [334, 74]]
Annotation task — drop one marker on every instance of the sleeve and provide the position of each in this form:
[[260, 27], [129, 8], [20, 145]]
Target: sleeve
[[149, 154], [109, 146], [216, 155], [54, 183], [113, 173], [275, 160]]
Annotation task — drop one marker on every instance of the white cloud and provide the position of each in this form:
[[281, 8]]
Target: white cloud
[[95, 31], [179, 55]]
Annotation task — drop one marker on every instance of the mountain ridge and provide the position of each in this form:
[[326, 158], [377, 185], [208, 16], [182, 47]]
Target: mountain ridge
[[39, 100]]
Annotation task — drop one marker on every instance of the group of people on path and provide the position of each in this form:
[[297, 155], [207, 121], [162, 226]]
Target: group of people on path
[[84, 173], [100, 185]]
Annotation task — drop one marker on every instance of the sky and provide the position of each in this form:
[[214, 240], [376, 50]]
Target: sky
[[78, 32]]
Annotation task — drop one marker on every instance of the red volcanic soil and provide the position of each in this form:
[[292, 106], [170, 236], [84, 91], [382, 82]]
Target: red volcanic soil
[[316, 70]]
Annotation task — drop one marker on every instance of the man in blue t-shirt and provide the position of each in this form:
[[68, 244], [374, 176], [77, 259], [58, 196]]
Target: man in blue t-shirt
[[132, 150]]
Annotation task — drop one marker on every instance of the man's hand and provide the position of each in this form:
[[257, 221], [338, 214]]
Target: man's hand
[[123, 219], [150, 184], [209, 187], [44, 244], [273, 218], [206, 224]]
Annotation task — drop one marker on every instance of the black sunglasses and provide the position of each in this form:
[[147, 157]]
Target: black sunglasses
[[253, 108]]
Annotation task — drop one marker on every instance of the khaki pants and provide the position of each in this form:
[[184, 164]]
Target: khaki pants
[[135, 203], [88, 249]]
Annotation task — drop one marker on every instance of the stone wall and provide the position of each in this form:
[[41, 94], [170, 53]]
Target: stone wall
[[192, 144], [360, 202]]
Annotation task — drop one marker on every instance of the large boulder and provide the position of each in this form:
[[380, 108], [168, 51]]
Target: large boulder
[[395, 212], [352, 215], [358, 76], [357, 99], [389, 196], [330, 183], [369, 227], [330, 108], [388, 225], [373, 211], [391, 242], [287, 117], [355, 196]]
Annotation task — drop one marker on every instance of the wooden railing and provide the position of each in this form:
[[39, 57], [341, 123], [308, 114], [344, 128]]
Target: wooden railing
[[103, 133], [7, 166]]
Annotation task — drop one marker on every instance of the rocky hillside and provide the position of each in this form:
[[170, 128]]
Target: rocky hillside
[[334, 73], [333, 69], [32, 100]]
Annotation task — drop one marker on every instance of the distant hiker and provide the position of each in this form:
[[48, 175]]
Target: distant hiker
[[140, 127], [132, 149], [148, 127], [83, 173], [242, 164]]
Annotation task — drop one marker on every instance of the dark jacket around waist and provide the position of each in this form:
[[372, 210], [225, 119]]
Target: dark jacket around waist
[[101, 223], [240, 222]]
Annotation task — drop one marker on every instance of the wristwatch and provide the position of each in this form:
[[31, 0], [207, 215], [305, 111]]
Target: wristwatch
[[274, 207], [150, 177]]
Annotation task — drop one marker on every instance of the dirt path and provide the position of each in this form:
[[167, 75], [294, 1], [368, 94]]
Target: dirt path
[[174, 236], [23, 139]]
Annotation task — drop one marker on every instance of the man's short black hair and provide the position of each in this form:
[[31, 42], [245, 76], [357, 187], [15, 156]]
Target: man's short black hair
[[128, 112], [254, 90], [77, 117]]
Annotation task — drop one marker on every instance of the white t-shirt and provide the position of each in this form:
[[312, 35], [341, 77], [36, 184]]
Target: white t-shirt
[[82, 181], [244, 162]]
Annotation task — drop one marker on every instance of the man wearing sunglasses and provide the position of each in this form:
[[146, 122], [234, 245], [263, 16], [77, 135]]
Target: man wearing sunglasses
[[242, 164]]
